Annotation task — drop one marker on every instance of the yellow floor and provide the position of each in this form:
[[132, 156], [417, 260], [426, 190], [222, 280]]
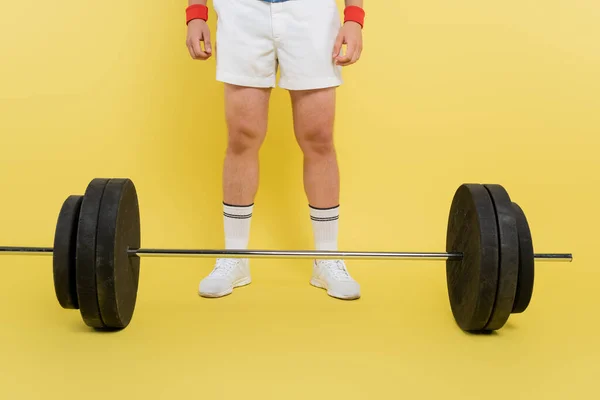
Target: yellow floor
[[280, 338]]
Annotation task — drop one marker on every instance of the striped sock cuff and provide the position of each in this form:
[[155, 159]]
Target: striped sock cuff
[[237, 225], [237, 212], [324, 214], [325, 227]]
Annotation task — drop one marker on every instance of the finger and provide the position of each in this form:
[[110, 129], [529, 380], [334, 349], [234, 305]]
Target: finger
[[356, 56], [191, 50], [207, 42], [342, 59], [345, 59], [350, 50], [205, 54], [350, 53], [200, 54], [337, 47]]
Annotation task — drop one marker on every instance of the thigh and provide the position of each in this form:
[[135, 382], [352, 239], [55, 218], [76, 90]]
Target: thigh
[[304, 41], [245, 53], [314, 114], [246, 113]]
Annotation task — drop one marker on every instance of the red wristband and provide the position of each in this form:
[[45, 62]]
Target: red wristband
[[196, 11], [354, 14]]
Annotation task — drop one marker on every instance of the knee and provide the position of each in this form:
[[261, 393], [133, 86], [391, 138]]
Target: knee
[[317, 142], [244, 138]]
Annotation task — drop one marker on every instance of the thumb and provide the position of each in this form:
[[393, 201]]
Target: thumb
[[338, 45]]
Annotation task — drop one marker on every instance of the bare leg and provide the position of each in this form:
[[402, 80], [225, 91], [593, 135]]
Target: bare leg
[[246, 112], [314, 114]]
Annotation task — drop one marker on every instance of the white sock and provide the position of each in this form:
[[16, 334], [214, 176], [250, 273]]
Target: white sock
[[237, 226], [325, 227]]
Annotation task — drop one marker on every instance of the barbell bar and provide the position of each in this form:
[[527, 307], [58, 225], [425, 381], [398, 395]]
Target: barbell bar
[[96, 255], [290, 254]]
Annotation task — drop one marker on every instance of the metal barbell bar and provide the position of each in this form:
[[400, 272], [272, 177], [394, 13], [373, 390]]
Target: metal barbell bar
[[364, 255]]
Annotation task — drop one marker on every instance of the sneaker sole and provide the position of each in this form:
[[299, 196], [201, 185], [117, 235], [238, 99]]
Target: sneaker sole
[[239, 283], [322, 285]]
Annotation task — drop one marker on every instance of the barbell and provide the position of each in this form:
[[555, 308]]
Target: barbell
[[96, 255]]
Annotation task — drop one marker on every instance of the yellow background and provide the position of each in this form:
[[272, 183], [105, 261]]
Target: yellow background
[[445, 93]]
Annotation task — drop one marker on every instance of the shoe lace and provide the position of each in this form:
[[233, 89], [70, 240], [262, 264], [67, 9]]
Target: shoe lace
[[224, 267], [337, 268]]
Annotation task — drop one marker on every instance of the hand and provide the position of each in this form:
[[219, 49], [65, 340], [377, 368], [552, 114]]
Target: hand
[[198, 31], [351, 35]]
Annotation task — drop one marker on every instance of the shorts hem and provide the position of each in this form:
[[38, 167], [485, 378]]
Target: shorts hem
[[310, 84], [246, 81]]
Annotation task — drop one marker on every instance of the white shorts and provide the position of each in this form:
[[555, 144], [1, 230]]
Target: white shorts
[[255, 38]]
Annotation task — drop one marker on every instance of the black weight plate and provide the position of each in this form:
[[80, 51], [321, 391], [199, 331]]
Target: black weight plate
[[472, 281], [117, 274], [63, 254], [526, 263], [86, 254], [508, 239]]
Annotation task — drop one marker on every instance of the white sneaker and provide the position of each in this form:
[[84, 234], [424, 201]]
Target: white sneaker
[[333, 276], [227, 274]]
